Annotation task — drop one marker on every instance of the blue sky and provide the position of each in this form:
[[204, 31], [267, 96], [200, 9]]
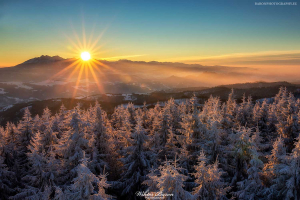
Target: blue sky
[[147, 29]]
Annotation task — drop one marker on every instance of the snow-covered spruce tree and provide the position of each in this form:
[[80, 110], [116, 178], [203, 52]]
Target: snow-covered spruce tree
[[71, 146], [286, 182], [258, 142], [274, 170], [131, 111], [25, 133], [62, 117], [136, 162], [260, 117], [103, 145], [25, 129], [230, 111], [102, 185], [125, 130], [55, 125], [216, 139], [10, 145], [36, 123], [45, 119], [83, 185], [154, 129], [170, 182], [49, 139], [286, 115], [212, 145], [209, 181], [293, 183], [39, 177], [151, 180], [145, 116], [117, 117], [251, 188], [241, 148], [8, 180], [211, 110], [244, 112], [193, 132], [171, 149], [166, 122]]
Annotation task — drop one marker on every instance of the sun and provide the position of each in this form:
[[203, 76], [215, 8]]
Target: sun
[[85, 56]]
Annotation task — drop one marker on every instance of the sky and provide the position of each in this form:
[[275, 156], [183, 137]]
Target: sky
[[208, 32]]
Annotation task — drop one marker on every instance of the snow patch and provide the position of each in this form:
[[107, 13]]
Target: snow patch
[[2, 91], [6, 108], [18, 84], [49, 83]]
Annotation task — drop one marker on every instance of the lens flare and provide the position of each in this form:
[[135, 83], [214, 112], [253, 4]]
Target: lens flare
[[85, 56]]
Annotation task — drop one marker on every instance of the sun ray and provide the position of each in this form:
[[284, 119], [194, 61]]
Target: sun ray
[[65, 69], [122, 57], [100, 87], [77, 38], [105, 51], [87, 81], [73, 72], [91, 35], [78, 81], [98, 38], [86, 69], [73, 43], [83, 35], [101, 64]]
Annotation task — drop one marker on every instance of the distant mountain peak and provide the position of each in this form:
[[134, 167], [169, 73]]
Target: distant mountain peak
[[43, 59]]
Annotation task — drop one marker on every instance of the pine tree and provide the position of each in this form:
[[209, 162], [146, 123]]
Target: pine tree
[[275, 169], [151, 182], [7, 177], [25, 128], [293, 182], [171, 182], [71, 146], [230, 110], [171, 149], [242, 149], [83, 187], [260, 117], [25, 134], [37, 179], [136, 162], [208, 177], [251, 188], [244, 112], [10, 145], [102, 146]]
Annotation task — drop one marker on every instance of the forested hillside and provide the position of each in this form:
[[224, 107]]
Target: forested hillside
[[247, 150]]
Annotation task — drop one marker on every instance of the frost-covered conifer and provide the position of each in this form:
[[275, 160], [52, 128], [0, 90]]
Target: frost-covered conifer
[[136, 162], [25, 129], [209, 181], [82, 187], [7, 177], [170, 182], [251, 188], [71, 146]]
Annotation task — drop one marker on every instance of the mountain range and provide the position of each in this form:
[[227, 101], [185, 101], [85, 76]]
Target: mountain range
[[47, 77]]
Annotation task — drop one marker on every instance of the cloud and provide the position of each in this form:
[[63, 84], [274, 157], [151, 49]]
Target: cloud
[[123, 57], [242, 59]]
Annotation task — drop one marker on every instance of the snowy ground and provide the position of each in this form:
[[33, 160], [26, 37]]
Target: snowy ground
[[2, 91], [50, 83], [18, 84]]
